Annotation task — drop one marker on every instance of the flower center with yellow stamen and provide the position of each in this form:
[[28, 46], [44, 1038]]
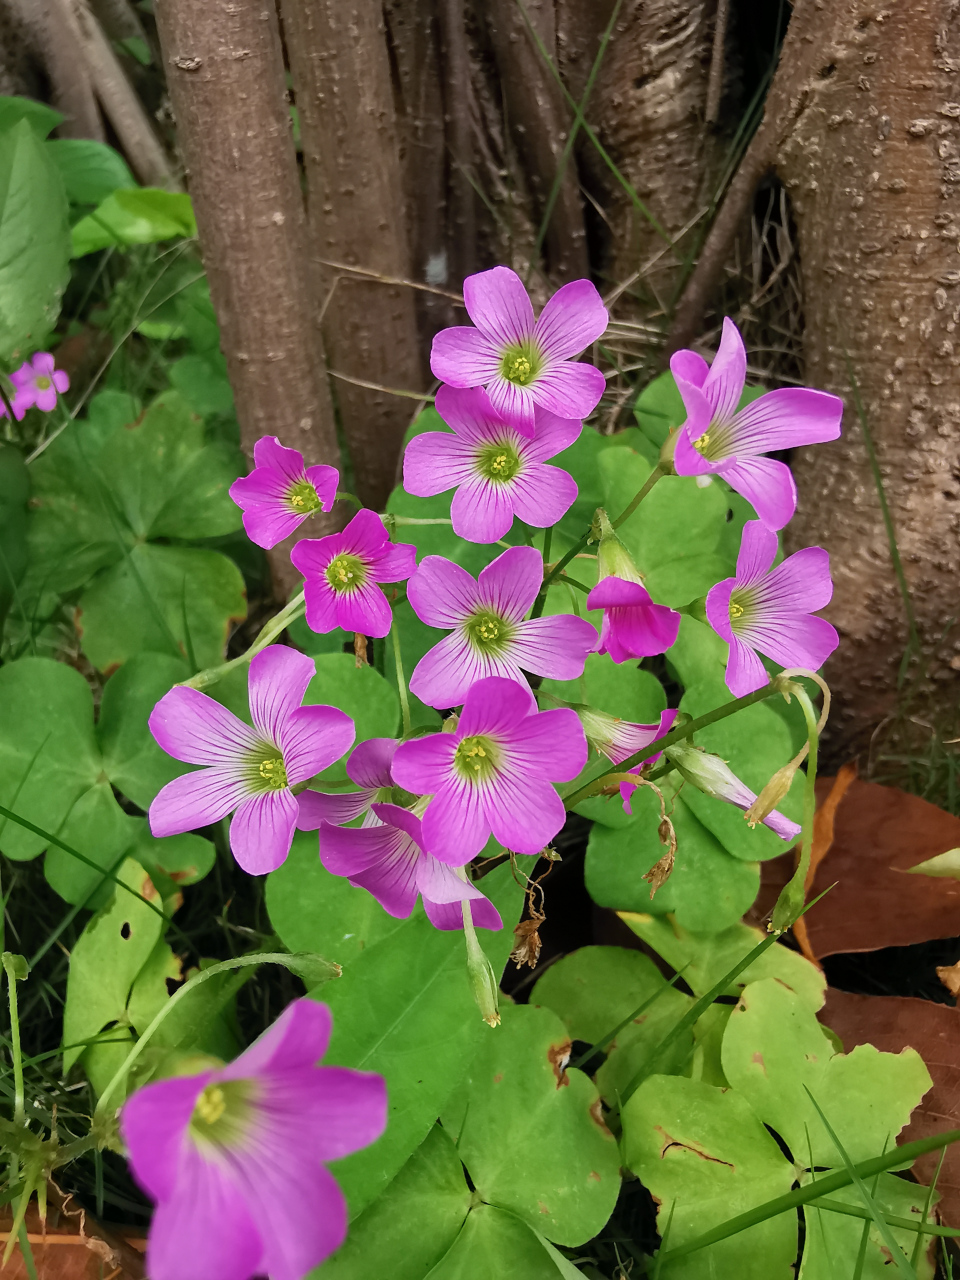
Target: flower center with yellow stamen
[[499, 462], [302, 497], [346, 573], [274, 773], [488, 632], [42, 383], [736, 610], [210, 1105], [741, 608], [476, 758], [521, 363], [221, 1113], [702, 441]]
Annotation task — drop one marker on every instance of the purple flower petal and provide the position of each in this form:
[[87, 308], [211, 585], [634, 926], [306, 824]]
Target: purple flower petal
[[298, 1038], [689, 366], [802, 582], [434, 462], [197, 799], [315, 807], [767, 485], [449, 915], [569, 389], [60, 380], [782, 826], [46, 399], [268, 525], [345, 1109], [572, 319], [793, 640], [191, 726], [632, 627], [455, 825], [322, 611], [758, 550], [369, 763], [395, 562], [365, 535], [745, 672], [723, 385], [525, 813], [422, 764], [509, 584], [153, 1122], [395, 815], [553, 435], [43, 363], [612, 592], [440, 883], [550, 744], [312, 739], [442, 593], [482, 511], [717, 607], [542, 495], [494, 707], [363, 610], [270, 454], [469, 413], [556, 647], [463, 357], [261, 831], [499, 306], [515, 405], [381, 859], [277, 681], [444, 675], [301, 1220], [785, 419], [687, 460]]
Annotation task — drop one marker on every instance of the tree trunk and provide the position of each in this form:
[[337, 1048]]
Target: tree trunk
[[872, 167], [226, 77], [338, 57]]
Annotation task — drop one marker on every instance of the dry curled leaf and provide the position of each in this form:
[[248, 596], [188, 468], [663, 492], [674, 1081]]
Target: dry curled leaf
[[64, 1249]]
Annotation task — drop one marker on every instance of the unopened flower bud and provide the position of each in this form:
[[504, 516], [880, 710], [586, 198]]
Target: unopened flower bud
[[615, 561], [714, 777], [772, 794], [480, 970], [450, 724]]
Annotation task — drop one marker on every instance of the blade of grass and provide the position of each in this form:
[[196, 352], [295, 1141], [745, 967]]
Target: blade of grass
[[602, 1044], [903, 1224], [927, 1206]]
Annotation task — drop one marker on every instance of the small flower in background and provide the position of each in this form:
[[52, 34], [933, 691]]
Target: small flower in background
[[248, 770], [524, 364], [37, 383], [234, 1157], [498, 473], [619, 739], [280, 493], [633, 626], [369, 768], [714, 777], [493, 774], [390, 862], [770, 610], [341, 573], [489, 636], [718, 438]]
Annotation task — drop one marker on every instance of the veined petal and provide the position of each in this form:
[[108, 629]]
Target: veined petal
[[542, 495], [197, 799], [516, 405], [154, 1123], [381, 859], [689, 366], [723, 385], [261, 831], [572, 319], [469, 413], [423, 765], [266, 525], [524, 813], [745, 672], [313, 738], [277, 681], [556, 647], [365, 535], [265, 485], [687, 460], [340, 1110], [482, 510], [182, 1246], [802, 583], [550, 744], [442, 593], [322, 611], [570, 388], [767, 485], [758, 550], [191, 726], [509, 585], [499, 306], [315, 807], [455, 827], [717, 608], [444, 675], [493, 706], [270, 454], [463, 357], [301, 1218], [435, 462], [553, 434], [785, 419], [364, 610], [793, 640], [440, 883], [298, 1038], [394, 563], [449, 915], [370, 761]]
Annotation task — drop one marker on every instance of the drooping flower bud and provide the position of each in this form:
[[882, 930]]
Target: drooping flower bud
[[714, 777], [619, 739], [614, 559], [772, 793], [480, 970]]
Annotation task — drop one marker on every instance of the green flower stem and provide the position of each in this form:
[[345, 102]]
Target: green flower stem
[[600, 780], [790, 903], [13, 972], [343, 495], [277, 624], [902, 1224], [399, 520], [555, 572], [790, 1202], [565, 577], [101, 1114], [648, 484], [401, 681]]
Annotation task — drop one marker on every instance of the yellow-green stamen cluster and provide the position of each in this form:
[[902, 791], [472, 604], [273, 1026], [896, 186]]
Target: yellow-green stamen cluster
[[42, 383], [221, 1114], [302, 497], [346, 573], [476, 758], [488, 632], [741, 608], [498, 462], [521, 363], [273, 773]]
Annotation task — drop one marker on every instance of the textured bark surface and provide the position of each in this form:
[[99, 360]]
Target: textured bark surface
[[226, 77], [872, 166], [351, 146]]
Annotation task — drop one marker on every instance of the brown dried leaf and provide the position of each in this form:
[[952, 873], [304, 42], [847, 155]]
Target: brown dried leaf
[[63, 1250], [893, 1023]]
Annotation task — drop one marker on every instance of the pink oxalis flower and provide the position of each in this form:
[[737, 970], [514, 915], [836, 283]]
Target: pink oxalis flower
[[369, 768], [234, 1157], [497, 472], [770, 610], [494, 773], [524, 364], [249, 771], [722, 440], [280, 492], [389, 861], [489, 636], [619, 739], [633, 626], [342, 571], [37, 382]]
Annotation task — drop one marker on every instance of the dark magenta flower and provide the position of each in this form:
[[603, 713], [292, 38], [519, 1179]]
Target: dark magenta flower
[[489, 636], [234, 1157], [633, 626], [769, 610], [494, 773], [719, 438], [524, 364], [369, 768], [280, 493], [249, 770], [342, 571], [497, 472], [38, 383], [390, 862]]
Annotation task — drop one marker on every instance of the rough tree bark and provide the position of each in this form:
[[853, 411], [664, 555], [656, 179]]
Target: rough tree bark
[[226, 77], [338, 57]]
